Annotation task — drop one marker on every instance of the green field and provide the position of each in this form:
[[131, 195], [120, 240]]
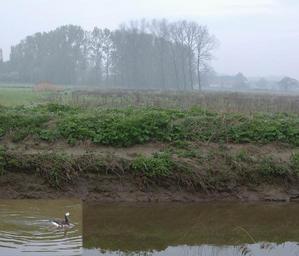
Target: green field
[[16, 96]]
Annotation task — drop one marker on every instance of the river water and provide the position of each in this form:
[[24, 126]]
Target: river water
[[207, 229], [25, 228]]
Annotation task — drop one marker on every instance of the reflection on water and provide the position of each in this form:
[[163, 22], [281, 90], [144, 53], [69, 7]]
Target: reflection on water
[[222, 229], [284, 249], [25, 228]]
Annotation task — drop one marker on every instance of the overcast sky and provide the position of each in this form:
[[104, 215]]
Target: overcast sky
[[257, 37]]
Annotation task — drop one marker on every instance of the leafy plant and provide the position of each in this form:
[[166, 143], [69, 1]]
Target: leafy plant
[[130, 126], [270, 168], [160, 164]]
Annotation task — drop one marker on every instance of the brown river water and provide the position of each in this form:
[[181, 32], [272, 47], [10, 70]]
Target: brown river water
[[173, 229], [206, 229]]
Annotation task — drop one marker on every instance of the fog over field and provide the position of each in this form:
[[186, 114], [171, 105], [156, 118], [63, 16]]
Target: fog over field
[[257, 38]]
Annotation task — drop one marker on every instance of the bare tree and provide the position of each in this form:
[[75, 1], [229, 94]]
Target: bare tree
[[205, 44], [107, 49], [95, 44]]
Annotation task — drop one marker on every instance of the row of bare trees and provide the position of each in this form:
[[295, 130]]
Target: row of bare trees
[[140, 54]]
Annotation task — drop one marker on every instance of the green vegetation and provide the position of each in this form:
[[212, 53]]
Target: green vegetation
[[195, 154], [137, 126], [215, 170], [246, 102], [19, 96], [156, 166], [295, 161]]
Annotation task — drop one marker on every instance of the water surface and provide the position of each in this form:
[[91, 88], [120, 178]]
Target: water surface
[[222, 229], [25, 228]]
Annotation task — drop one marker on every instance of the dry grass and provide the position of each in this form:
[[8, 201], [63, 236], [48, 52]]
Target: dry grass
[[214, 101], [245, 102]]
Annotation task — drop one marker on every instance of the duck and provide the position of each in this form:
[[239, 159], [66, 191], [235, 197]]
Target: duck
[[62, 223]]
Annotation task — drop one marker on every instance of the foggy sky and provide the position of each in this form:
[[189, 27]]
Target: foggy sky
[[257, 37]]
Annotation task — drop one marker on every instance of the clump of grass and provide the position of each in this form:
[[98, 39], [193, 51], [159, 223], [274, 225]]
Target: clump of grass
[[158, 165], [21, 122], [119, 128], [57, 169], [271, 168], [48, 135]]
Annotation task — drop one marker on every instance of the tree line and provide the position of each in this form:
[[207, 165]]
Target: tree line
[[140, 54]]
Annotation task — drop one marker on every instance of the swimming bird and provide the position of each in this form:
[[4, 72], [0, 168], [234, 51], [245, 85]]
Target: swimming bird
[[62, 223]]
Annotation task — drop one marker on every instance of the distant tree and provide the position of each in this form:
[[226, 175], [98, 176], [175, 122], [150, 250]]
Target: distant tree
[[56, 56], [142, 54], [288, 84], [108, 49], [205, 44], [95, 55]]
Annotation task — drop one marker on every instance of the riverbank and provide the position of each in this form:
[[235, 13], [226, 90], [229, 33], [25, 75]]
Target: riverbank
[[153, 172], [147, 154]]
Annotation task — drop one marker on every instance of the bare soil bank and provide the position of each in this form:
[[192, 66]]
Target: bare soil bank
[[113, 189], [115, 182]]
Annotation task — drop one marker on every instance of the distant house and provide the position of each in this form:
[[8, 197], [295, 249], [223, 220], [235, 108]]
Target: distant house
[[239, 81], [46, 87], [288, 84]]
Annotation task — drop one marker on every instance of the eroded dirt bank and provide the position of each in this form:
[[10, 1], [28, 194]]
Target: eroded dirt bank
[[153, 172], [113, 189]]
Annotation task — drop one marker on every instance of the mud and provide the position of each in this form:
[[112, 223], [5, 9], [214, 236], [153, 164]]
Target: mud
[[125, 187]]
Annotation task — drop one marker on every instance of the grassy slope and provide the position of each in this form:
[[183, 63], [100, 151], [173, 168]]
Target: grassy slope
[[187, 160], [137, 126]]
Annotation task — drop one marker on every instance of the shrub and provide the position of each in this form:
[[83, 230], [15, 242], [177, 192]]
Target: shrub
[[270, 168], [160, 164]]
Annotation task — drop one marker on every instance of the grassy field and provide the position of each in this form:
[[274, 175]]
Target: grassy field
[[246, 102], [224, 102], [200, 140], [16, 96]]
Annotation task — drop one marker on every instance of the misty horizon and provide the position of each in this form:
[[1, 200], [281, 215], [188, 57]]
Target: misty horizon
[[258, 38], [270, 76]]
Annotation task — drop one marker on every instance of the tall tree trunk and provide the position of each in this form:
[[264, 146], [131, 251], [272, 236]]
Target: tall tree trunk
[[175, 68], [161, 50], [198, 71], [190, 71]]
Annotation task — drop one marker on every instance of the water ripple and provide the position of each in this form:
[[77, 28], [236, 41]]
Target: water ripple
[[29, 232]]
